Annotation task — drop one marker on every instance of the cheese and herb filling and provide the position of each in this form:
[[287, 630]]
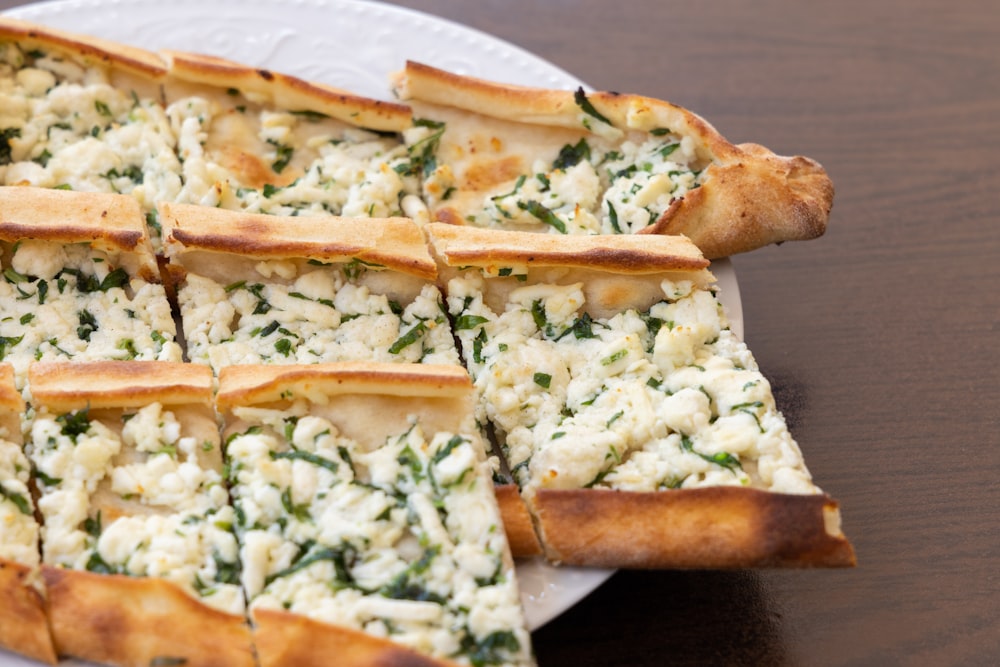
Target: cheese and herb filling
[[601, 181], [128, 491], [73, 301], [66, 124], [18, 528], [241, 155], [402, 540], [663, 398], [305, 311]]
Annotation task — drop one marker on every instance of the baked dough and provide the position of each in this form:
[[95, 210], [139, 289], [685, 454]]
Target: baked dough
[[513, 157]]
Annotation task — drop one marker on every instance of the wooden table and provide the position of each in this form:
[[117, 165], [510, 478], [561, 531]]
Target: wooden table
[[881, 338]]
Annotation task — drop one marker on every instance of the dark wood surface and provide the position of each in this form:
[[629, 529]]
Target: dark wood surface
[[880, 339]]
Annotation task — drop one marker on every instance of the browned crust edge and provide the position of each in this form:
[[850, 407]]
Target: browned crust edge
[[10, 398], [90, 49], [712, 528], [255, 384], [289, 92], [395, 243], [754, 197], [624, 254], [106, 220], [67, 385], [517, 522], [24, 627], [137, 622], [284, 639]]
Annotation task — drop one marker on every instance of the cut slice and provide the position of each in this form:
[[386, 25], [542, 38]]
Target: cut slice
[[366, 517], [620, 395], [23, 626], [83, 114], [256, 289], [264, 142], [139, 557], [517, 158], [80, 281]]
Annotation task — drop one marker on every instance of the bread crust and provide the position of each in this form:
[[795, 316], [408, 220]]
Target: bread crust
[[91, 50], [139, 622], [517, 522], [711, 527], [250, 385], [63, 386], [288, 92], [395, 243], [755, 197], [24, 627], [108, 222], [288, 640]]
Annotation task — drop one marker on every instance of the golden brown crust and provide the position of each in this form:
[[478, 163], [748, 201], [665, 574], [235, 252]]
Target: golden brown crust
[[23, 624], [712, 527], [62, 386], [283, 639], [517, 522], [249, 385], [395, 243], [108, 222], [10, 398], [138, 622], [755, 197], [91, 50], [289, 92], [624, 254], [750, 203]]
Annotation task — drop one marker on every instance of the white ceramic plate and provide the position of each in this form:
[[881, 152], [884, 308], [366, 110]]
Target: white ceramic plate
[[355, 45]]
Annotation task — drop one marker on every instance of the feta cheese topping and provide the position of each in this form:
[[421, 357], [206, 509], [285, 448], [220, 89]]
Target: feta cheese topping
[[310, 314], [18, 528], [642, 401], [72, 302], [126, 493], [64, 126], [402, 541], [241, 156]]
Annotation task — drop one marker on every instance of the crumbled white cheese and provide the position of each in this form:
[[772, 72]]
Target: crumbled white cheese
[[402, 541], [18, 528], [71, 302], [324, 315], [178, 522], [640, 401]]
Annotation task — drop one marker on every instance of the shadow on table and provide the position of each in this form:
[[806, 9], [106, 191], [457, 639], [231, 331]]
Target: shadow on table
[[658, 618]]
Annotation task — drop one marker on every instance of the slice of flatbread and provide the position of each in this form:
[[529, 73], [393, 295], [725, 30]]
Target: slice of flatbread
[[265, 142], [23, 626], [256, 289], [139, 556], [82, 113], [366, 515], [80, 280], [517, 158], [638, 427]]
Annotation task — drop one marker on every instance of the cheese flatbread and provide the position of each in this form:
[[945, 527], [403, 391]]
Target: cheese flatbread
[[23, 625], [80, 281], [140, 561], [613, 386], [517, 158], [255, 289], [364, 502]]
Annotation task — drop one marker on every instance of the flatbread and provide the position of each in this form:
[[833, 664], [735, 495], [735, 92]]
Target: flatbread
[[366, 505], [638, 427], [513, 157], [138, 560]]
